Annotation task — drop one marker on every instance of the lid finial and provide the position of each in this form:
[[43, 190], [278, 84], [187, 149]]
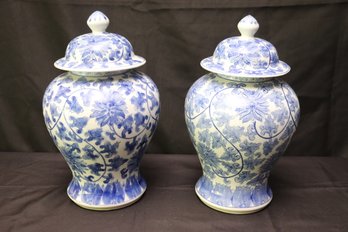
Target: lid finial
[[98, 22], [248, 26]]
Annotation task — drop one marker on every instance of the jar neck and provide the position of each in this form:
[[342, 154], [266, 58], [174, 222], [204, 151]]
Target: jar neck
[[245, 79], [99, 74]]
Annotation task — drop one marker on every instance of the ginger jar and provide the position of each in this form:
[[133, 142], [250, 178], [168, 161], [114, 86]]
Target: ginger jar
[[240, 118], [101, 115]]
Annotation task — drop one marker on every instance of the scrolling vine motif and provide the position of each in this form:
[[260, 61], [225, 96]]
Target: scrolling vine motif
[[86, 115], [227, 127]]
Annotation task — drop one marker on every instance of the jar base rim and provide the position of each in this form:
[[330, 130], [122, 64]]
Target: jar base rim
[[231, 210], [107, 207]]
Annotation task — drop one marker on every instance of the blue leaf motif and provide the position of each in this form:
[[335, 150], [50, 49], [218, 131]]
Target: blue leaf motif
[[74, 160], [111, 135], [74, 105], [81, 81], [233, 133], [245, 176], [91, 56], [127, 125], [62, 132], [280, 115], [231, 154], [269, 145], [268, 127], [154, 103], [140, 120], [109, 149], [134, 162], [116, 163], [249, 148], [107, 178], [89, 153], [217, 140], [126, 86], [94, 135], [130, 146], [277, 98], [96, 168], [54, 112], [204, 136], [62, 93], [200, 103], [47, 119], [251, 162], [78, 123], [47, 97], [251, 132], [104, 83], [139, 101], [86, 97], [115, 55], [210, 159], [124, 173]]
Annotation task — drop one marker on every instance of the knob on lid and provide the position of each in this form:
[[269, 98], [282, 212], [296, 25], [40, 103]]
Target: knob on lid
[[246, 55], [99, 51]]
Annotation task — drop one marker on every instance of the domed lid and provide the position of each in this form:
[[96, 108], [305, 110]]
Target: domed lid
[[99, 51], [246, 55]]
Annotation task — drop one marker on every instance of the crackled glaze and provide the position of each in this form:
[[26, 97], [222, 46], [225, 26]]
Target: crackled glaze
[[102, 122], [240, 126]]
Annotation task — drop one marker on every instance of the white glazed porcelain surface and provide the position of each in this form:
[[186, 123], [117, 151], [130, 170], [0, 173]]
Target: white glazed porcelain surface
[[102, 126], [239, 130], [102, 116], [240, 120]]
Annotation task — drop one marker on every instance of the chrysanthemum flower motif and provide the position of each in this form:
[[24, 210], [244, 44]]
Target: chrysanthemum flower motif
[[255, 107], [110, 111]]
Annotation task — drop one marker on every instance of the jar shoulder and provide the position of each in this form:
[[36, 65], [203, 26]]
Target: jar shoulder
[[212, 82], [132, 81], [213, 92]]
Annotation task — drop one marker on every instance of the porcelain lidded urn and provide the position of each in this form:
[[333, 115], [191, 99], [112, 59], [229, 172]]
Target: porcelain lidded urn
[[102, 114], [240, 118]]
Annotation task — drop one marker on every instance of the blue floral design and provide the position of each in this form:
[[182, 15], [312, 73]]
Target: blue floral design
[[255, 109], [102, 126], [268, 127], [73, 158], [74, 105], [116, 163], [249, 148], [95, 135], [233, 133], [269, 145], [62, 92], [78, 123], [139, 101], [89, 153], [239, 136], [110, 112], [105, 52]]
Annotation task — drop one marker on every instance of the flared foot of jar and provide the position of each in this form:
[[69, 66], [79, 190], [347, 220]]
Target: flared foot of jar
[[237, 200], [105, 197]]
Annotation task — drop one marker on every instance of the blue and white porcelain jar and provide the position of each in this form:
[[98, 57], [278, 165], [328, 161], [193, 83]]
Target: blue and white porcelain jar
[[102, 115], [241, 118]]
